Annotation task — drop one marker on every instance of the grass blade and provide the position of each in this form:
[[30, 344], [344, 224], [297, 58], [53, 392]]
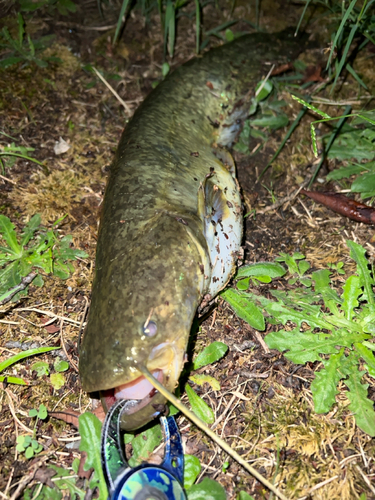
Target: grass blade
[[340, 29], [124, 6]]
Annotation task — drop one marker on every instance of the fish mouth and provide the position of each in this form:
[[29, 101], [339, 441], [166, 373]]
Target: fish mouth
[[144, 402], [139, 392]]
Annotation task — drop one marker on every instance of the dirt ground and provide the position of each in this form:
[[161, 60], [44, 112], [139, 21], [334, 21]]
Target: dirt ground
[[265, 400]]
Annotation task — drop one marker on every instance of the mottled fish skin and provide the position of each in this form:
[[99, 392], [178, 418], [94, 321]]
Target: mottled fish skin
[[171, 223]]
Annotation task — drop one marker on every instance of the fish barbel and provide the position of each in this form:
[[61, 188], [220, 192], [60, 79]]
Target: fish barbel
[[171, 223]]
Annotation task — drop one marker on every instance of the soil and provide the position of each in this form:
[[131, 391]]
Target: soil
[[265, 400]]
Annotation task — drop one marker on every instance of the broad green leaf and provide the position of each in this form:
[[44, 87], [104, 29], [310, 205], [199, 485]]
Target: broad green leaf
[[30, 229], [245, 309], [352, 290], [271, 269], [57, 380], [201, 379], [210, 354], [9, 278], [42, 412], [360, 405], [284, 314], [90, 430], [357, 253], [329, 295], [60, 365], [208, 489], [324, 386], [199, 407], [41, 368], [364, 182], [368, 357], [8, 233], [352, 145], [243, 284], [346, 172], [304, 346], [266, 90], [271, 121], [303, 266], [192, 468], [144, 444]]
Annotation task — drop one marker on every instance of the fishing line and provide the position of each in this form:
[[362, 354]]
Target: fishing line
[[199, 423]]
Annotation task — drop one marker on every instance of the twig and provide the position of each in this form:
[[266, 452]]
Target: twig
[[126, 107], [13, 412], [281, 201], [64, 348], [48, 313], [8, 180], [25, 282]]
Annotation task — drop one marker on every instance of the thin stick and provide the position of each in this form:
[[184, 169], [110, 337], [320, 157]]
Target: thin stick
[[25, 282], [126, 107], [47, 313], [198, 422]]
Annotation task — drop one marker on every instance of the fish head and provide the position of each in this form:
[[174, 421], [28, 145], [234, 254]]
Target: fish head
[[145, 295]]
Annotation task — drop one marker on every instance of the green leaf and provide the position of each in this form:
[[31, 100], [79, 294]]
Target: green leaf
[[192, 469], [63, 481], [25, 354], [144, 444], [346, 172], [271, 121], [271, 269], [201, 379], [243, 284], [352, 290], [199, 407], [57, 380], [208, 489], [8, 233], [324, 386], [360, 405], [60, 365], [90, 427], [329, 295], [244, 496], [303, 346], [368, 356], [29, 452], [30, 229], [245, 309], [266, 90], [357, 253], [365, 182], [13, 380], [42, 412], [210, 354], [41, 368]]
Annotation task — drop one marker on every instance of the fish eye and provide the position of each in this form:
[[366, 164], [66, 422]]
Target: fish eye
[[150, 329]]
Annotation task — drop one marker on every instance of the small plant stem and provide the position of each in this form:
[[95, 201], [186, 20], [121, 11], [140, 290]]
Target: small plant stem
[[198, 422], [7, 296], [330, 142]]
